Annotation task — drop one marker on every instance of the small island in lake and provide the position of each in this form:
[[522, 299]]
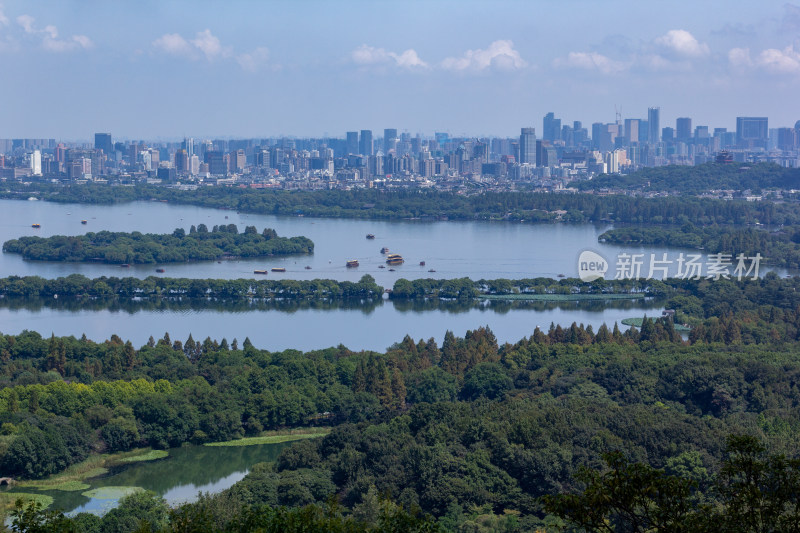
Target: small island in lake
[[199, 244]]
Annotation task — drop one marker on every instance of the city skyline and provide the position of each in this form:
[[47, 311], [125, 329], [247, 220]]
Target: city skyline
[[466, 68]]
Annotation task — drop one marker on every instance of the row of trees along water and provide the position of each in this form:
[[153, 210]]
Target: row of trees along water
[[137, 248], [779, 246]]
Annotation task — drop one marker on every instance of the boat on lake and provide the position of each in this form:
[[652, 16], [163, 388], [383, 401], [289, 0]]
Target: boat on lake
[[125, 265], [422, 263], [384, 250], [259, 271], [37, 226], [308, 267], [84, 222], [370, 236], [352, 263], [394, 259], [279, 269], [160, 270]]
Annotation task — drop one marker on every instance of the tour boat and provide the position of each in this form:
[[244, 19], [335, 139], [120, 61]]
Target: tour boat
[[352, 263], [259, 271], [394, 259], [279, 269]]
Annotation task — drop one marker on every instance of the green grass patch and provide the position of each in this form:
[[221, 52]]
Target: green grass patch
[[152, 455], [268, 439], [110, 493], [66, 486], [637, 322], [563, 297], [8, 500], [74, 478]]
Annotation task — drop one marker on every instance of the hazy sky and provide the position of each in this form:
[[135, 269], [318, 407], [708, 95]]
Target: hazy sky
[[152, 69]]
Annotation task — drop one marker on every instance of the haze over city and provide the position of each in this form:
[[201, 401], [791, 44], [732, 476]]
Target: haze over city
[[149, 70]]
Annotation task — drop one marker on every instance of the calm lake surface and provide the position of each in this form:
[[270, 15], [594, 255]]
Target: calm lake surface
[[478, 250], [306, 329], [178, 478]]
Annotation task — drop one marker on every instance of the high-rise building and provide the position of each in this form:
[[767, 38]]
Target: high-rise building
[[365, 143], [683, 129], [787, 139], [102, 141], [194, 165], [527, 146], [654, 124], [216, 162], [389, 140], [752, 132], [182, 160], [551, 127], [632, 130], [351, 145], [36, 163]]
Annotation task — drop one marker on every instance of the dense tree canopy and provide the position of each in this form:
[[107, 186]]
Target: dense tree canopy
[[135, 248]]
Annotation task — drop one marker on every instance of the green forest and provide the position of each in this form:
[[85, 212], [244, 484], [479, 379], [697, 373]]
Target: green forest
[[779, 247], [199, 244], [466, 435], [516, 206], [699, 179]]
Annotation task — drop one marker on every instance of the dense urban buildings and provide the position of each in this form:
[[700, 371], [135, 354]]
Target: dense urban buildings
[[560, 154]]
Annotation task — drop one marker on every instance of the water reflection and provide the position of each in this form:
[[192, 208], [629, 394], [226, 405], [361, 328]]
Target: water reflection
[[187, 471]]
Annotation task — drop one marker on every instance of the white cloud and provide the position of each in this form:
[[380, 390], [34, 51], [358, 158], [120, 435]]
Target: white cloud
[[369, 55], [500, 55], [205, 44], [49, 36], [786, 61], [210, 45], [254, 60], [174, 44], [682, 43], [3, 17], [409, 59], [590, 61], [26, 21]]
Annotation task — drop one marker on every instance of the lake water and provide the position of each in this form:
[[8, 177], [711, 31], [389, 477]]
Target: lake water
[[371, 328], [178, 478], [453, 249], [479, 250]]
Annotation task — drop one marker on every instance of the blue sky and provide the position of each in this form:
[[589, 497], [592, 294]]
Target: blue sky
[[150, 69]]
